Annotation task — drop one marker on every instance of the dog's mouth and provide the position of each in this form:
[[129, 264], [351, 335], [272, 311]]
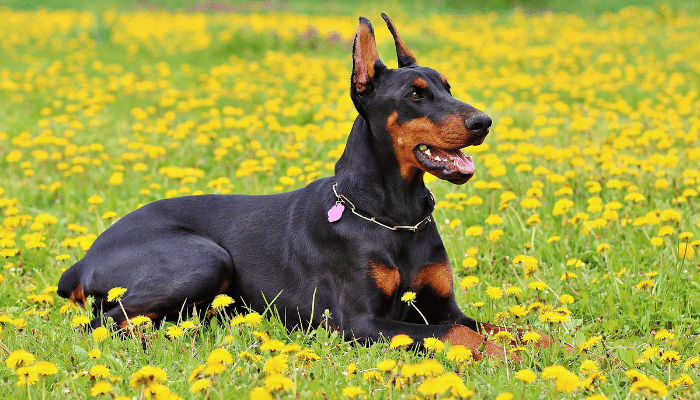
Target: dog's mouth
[[450, 165]]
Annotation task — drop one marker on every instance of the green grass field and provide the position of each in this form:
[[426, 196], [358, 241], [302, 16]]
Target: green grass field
[[582, 221]]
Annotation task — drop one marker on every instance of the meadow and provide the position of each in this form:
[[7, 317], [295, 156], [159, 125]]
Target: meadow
[[582, 221]]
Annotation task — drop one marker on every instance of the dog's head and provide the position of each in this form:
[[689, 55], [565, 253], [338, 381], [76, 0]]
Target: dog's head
[[412, 108]]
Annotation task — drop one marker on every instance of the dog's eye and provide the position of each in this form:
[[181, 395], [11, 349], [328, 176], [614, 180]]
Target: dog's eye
[[415, 95]]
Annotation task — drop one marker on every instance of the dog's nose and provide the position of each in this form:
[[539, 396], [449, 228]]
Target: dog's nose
[[478, 123]]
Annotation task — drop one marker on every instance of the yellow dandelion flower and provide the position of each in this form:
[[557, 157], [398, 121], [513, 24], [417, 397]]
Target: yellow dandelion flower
[[400, 340], [350, 370], [553, 371], [664, 334], [26, 376], [221, 356], [670, 357], [433, 344], [468, 281], [100, 333], [174, 331], [685, 251], [589, 343], [474, 231], [537, 285], [458, 353], [505, 396], [408, 297], [260, 393], [649, 385], [197, 372], [517, 310], [19, 358], [469, 262], [290, 348], [100, 388], [109, 215], [253, 319], [45, 368], [147, 376], [99, 371], [278, 382], [683, 380], [94, 353], [140, 320], [656, 241], [428, 367], [526, 375], [95, 199], [307, 355], [568, 275], [513, 290], [352, 391], [373, 377], [494, 292], [692, 361], [503, 338], [79, 321], [433, 387], [386, 365], [494, 219], [275, 365], [115, 294], [272, 345], [221, 301], [645, 284], [566, 299], [200, 384]]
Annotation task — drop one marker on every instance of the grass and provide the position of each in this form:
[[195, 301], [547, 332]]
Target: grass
[[582, 211]]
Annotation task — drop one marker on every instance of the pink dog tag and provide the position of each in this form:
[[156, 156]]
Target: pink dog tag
[[335, 212]]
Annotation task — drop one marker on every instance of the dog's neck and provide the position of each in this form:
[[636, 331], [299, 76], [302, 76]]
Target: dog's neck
[[368, 174]]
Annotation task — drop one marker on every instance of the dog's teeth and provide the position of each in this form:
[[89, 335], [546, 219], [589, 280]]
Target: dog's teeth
[[427, 152], [437, 158]]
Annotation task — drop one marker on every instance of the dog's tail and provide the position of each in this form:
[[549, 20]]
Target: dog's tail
[[69, 284]]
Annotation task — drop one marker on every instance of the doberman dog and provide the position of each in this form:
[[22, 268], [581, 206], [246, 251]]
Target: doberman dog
[[352, 243]]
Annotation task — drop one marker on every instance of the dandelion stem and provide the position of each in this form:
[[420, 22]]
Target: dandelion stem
[[421, 314]]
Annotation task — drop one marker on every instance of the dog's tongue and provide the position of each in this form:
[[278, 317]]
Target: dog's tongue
[[458, 161]]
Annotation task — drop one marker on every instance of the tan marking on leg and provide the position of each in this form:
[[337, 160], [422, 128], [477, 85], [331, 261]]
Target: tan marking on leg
[[77, 296], [386, 277], [473, 341], [224, 286], [437, 276]]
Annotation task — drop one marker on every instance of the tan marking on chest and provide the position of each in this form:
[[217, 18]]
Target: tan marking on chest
[[437, 276], [386, 277]]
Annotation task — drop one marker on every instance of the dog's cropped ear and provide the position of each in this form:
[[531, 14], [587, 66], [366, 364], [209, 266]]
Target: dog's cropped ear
[[365, 59], [404, 55]]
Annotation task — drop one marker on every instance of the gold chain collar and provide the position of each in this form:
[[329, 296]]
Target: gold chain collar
[[342, 199]]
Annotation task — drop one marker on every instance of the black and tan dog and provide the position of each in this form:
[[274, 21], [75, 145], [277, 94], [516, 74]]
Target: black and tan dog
[[352, 243]]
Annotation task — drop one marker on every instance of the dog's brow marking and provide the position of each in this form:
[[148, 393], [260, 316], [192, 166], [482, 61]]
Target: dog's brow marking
[[421, 83], [437, 276], [443, 79], [385, 276]]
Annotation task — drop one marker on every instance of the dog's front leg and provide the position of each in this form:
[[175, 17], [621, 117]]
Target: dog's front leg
[[372, 330]]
